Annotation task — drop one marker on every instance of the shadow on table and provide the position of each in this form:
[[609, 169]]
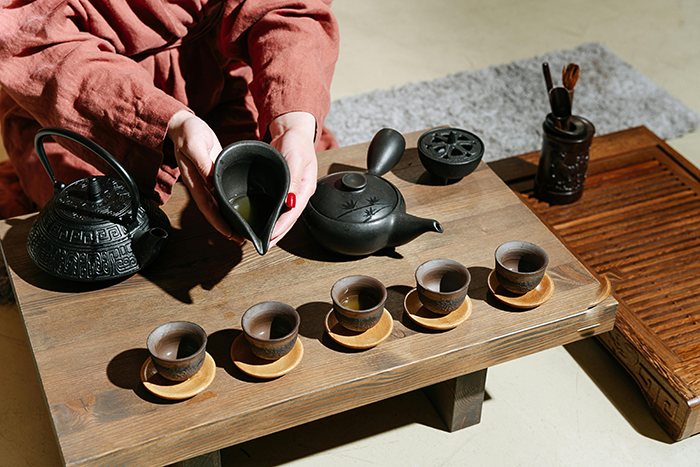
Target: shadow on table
[[195, 256], [124, 371], [313, 318], [299, 243], [479, 290], [618, 386], [219, 347]]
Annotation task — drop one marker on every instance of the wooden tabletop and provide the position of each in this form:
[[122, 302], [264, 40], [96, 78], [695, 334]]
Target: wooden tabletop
[[89, 340]]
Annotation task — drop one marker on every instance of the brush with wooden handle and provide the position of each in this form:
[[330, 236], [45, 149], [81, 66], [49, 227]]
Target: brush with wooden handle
[[569, 77]]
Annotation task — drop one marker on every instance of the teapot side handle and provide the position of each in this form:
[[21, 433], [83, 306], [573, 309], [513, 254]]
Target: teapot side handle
[[98, 150], [385, 151]]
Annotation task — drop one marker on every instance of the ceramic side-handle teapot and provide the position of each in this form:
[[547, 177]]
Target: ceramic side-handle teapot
[[96, 228], [359, 213]]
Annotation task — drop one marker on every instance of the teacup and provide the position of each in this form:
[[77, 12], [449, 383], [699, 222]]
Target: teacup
[[271, 329], [520, 266], [177, 349], [442, 285], [358, 302]]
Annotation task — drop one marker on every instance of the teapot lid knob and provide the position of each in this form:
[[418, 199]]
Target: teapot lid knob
[[94, 192], [354, 181]]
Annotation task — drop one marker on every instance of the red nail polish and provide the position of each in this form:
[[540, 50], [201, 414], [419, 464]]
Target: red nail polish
[[291, 200]]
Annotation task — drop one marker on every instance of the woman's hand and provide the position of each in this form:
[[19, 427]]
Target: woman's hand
[[293, 135], [196, 149]]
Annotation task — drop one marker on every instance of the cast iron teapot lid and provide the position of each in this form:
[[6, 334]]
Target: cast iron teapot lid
[[96, 228]]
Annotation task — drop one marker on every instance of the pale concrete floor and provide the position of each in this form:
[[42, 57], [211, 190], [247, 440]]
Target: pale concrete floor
[[571, 405]]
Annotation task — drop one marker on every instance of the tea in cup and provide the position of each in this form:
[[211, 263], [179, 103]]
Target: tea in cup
[[358, 302]]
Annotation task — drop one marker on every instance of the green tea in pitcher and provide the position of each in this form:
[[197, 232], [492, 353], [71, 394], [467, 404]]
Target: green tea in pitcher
[[255, 208]]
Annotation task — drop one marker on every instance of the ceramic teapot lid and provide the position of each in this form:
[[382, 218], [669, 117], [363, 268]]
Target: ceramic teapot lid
[[354, 197]]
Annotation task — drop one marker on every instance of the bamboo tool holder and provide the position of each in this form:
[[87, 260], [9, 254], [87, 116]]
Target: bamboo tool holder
[[563, 163]]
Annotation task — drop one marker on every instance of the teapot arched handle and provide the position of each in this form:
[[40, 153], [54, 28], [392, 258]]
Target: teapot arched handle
[[94, 147]]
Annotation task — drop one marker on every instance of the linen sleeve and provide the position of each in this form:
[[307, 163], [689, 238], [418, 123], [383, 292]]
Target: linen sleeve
[[64, 76], [292, 47]]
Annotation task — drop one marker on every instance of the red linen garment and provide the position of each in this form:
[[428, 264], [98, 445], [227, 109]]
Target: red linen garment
[[117, 71]]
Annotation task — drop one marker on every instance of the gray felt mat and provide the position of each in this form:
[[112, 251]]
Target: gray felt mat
[[506, 104]]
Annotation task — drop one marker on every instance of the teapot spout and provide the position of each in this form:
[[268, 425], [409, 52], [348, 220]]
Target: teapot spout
[[408, 227], [148, 244]]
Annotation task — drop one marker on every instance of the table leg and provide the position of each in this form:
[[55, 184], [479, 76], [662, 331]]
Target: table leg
[[212, 459], [458, 401]]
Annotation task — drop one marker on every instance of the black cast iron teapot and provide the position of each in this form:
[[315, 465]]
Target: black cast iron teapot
[[359, 213], [96, 228]]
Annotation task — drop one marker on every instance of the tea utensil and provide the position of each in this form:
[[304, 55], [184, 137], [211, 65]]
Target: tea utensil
[[561, 106], [569, 78], [547, 76]]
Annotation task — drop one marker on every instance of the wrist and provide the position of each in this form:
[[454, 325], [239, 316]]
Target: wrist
[[176, 122], [302, 123]]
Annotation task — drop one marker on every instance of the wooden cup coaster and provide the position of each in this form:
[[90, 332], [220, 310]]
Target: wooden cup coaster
[[255, 366], [531, 299], [178, 390], [426, 318], [360, 340]]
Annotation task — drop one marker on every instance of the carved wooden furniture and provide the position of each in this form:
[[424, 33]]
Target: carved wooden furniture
[[638, 223], [89, 340]]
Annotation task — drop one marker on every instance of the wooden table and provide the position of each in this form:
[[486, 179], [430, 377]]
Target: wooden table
[[89, 340], [637, 223]]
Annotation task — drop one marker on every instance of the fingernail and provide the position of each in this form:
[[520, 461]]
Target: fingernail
[[210, 181], [291, 200], [236, 240]]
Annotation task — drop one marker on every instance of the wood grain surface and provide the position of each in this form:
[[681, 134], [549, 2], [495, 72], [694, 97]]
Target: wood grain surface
[[637, 223], [89, 340]]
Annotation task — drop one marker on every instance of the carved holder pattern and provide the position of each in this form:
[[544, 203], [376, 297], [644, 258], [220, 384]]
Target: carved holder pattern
[[563, 164]]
